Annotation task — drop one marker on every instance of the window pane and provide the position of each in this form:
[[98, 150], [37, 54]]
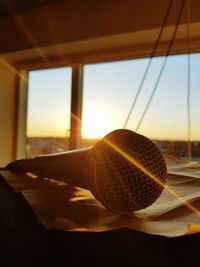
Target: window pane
[[110, 89], [48, 115]]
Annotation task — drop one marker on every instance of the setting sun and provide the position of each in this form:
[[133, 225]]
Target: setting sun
[[98, 120]]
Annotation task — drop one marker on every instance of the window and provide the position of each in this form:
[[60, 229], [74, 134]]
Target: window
[[48, 112], [109, 90]]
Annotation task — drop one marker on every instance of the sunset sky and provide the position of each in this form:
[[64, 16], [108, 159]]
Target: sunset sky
[[108, 92]]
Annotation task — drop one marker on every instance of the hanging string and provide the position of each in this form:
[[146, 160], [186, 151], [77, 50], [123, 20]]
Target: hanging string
[[163, 66], [149, 63], [189, 147]]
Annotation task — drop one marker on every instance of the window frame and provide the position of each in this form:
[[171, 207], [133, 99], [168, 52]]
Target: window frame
[[104, 49]]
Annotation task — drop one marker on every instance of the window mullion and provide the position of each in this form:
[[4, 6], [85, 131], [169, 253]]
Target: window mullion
[[76, 106]]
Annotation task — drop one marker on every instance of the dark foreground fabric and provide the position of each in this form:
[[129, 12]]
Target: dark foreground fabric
[[24, 242], [22, 238]]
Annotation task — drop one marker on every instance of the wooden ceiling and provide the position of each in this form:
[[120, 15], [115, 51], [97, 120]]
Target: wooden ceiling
[[34, 24], [7, 7]]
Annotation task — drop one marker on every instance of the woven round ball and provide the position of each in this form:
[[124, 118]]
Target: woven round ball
[[128, 171]]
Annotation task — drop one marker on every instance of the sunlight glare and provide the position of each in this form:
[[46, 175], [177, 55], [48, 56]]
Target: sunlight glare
[[98, 120]]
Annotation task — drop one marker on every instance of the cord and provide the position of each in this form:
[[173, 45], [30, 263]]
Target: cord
[[162, 68], [149, 63]]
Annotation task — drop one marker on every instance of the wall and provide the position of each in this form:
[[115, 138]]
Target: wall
[[7, 111], [69, 21]]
